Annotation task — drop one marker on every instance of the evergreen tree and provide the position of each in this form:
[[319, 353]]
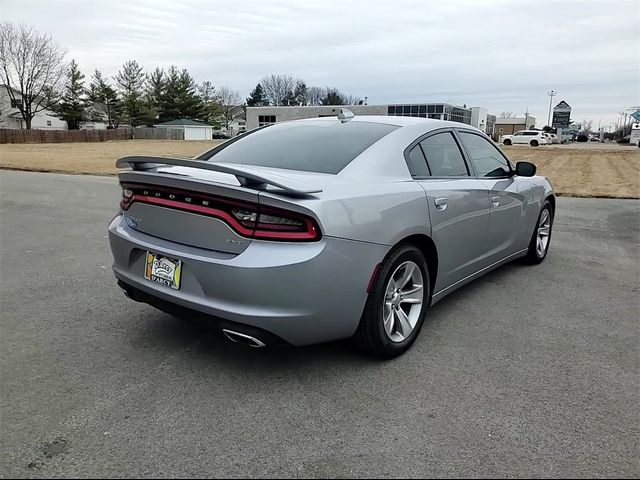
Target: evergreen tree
[[107, 105], [154, 88], [300, 93], [130, 80], [257, 98], [71, 107], [179, 98]]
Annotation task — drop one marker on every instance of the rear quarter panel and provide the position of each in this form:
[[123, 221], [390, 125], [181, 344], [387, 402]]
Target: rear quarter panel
[[382, 213]]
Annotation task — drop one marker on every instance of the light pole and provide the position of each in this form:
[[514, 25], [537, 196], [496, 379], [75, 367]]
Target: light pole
[[551, 93]]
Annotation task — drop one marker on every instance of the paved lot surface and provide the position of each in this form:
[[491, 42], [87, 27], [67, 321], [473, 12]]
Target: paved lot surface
[[532, 371]]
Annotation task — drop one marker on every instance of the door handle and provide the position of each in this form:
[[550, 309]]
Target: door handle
[[440, 203], [495, 201]]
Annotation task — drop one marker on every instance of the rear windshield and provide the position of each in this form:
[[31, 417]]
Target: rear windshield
[[323, 147]]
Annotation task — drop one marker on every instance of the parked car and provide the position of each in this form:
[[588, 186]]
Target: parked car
[[554, 138], [531, 137], [324, 229]]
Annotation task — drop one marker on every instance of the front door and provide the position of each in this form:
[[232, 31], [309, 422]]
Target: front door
[[507, 195]]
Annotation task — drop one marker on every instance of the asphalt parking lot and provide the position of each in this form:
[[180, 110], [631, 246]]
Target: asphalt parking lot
[[529, 372]]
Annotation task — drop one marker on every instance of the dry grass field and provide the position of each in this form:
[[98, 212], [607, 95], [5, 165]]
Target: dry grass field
[[586, 171], [97, 158]]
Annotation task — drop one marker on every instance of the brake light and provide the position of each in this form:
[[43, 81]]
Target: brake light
[[245, 218]]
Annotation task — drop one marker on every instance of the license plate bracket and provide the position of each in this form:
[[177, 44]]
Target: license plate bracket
[[162, 269]]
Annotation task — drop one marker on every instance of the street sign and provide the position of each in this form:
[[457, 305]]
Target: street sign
[[636, 115], [561, 115]]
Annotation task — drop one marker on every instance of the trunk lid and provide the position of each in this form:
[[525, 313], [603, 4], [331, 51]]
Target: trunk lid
[[207, 208]]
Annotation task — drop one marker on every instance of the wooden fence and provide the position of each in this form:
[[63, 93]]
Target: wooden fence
[[149, 133], [62, 136]]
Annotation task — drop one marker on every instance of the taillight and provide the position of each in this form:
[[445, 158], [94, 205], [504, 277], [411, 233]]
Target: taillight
[[245, 218]]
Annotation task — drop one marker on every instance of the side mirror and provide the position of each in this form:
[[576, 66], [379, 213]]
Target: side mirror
[[525, 169]]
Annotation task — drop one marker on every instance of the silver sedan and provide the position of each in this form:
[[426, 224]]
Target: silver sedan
[[325, 229]]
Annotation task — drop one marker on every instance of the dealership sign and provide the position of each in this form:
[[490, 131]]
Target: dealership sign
[[561, 115]]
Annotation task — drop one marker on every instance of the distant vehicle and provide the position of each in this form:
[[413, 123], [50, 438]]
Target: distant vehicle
[[531, 137], [634, 138], [554, 138]]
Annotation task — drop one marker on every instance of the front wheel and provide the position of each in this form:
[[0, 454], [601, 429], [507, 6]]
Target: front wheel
[[539, 244], [397, 305]]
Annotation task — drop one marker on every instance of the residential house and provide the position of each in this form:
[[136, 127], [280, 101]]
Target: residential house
[[10, 116]]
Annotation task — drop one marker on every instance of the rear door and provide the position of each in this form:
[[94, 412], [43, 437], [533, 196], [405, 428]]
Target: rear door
[[458, 205], [508, 194]]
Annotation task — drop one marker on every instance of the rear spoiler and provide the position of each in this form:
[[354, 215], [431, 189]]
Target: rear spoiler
[[245, 175]]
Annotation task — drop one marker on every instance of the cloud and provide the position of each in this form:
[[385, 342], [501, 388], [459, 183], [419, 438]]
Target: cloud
[[503, 55]]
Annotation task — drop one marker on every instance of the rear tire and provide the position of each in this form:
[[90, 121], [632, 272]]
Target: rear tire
[[541, 238], [392, 316], [534, 143], [507, 142]]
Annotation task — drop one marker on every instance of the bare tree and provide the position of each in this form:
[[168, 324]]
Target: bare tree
[[507, 115], [314, 95], [587, 126], [278, 88], [349, 99], [33, 69], [230, 102]]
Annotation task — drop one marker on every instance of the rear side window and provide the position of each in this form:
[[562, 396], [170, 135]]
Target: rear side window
[[485, 156], [443, 156], [417, 163], [323, 147]]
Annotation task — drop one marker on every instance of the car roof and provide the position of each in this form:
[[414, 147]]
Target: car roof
[[424, 124]]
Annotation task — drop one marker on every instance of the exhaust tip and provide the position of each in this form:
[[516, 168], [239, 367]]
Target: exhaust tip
[[238, 337]]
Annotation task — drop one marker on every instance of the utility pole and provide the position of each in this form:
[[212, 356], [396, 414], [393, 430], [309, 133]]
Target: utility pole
[[551, 93]]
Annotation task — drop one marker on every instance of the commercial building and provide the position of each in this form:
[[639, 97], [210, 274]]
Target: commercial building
[[509, 126], [476, 116]]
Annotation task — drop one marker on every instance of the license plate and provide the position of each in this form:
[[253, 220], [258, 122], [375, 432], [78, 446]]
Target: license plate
[[163, 270]]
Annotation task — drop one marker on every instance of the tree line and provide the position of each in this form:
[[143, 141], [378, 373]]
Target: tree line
[[38, 77]]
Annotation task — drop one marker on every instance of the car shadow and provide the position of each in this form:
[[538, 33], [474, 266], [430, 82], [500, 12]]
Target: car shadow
[[207, 344]]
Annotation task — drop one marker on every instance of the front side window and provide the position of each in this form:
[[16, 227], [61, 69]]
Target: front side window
[[443, 156], [485, 156]]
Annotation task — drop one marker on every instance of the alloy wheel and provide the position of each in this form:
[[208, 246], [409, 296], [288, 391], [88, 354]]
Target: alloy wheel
[[544, 231], [403, 301]]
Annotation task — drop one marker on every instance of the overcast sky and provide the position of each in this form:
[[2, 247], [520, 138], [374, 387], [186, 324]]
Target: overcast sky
[[503, 55]]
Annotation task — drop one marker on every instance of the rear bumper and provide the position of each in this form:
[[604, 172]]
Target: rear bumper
[[302, 293]]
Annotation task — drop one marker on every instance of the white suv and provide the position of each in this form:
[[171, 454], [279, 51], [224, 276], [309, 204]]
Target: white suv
[[532, 137]]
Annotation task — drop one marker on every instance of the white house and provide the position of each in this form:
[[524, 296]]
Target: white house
[[192, 130], [10, 116]]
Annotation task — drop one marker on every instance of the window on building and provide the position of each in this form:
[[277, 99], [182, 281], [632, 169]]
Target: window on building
[[391, 110], [485, 156], [439, 108], [414, 110], [423, 109], [444, 157], [266, 120], [407, 110], [431, 109], [48, 123], [16, 103]]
